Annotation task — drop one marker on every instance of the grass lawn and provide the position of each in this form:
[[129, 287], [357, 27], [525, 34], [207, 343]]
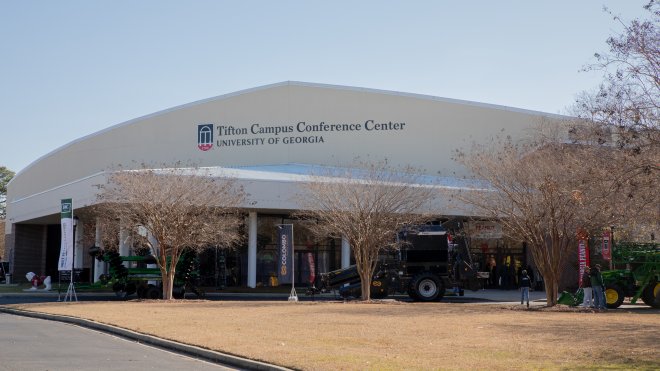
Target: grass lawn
[[392, 335]]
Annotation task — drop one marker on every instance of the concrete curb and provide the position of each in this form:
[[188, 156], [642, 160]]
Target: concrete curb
[[189, 350]]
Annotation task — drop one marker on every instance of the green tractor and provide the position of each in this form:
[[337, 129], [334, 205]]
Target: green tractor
[[639, 279], [146, 281]]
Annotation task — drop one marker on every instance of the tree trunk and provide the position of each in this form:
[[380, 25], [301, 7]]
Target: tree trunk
[[365, 281], [366, 288], [548, 256], [168, 281], [551, 287], [366, 273]]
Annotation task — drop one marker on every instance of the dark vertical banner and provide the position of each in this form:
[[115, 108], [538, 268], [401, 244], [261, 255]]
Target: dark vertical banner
[[285, 248]]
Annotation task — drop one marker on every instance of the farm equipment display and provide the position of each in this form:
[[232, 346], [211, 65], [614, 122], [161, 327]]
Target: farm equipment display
[[639, 279], [424, 267], [144, 278]]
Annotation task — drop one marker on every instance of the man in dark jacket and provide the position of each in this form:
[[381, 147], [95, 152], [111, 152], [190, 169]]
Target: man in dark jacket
[[597, 287], [525, 284], [587, 302]]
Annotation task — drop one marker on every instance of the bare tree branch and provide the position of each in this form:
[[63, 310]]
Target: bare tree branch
[[543, 190], [178, 208], [367, 204]]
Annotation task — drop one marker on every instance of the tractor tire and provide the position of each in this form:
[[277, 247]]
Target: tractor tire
[[427, 287], [179, 293], [412, 293], [141, 292], [131, 288], [614, 296], [651, 295], [120, 290], [153, 292]]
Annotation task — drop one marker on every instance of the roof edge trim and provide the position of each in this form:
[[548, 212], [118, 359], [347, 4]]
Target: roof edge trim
[[57, 187]]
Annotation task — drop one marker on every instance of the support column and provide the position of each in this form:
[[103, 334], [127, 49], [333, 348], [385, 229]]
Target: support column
[[124, 243], [155, 251], [155, 246], [99, 266], [78, 246], [252, 250], [345, 253]]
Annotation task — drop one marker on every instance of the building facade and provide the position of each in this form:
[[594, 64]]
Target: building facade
[[270, 138]]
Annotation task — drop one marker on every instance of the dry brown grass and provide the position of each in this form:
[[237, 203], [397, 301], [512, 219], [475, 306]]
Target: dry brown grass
[[389, 336]]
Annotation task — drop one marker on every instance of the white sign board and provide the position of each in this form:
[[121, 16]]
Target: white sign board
[[484, 230]]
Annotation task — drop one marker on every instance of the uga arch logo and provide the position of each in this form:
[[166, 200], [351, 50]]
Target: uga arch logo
[[205, 136]]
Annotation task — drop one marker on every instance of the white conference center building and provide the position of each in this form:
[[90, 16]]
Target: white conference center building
[[271, 138]]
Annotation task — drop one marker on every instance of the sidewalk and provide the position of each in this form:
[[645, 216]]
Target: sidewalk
[[484, 296], [503, 296], [489, 295]]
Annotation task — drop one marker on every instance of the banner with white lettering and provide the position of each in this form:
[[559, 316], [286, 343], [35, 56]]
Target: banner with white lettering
[[583, 255], [66, 248], [285, 248]]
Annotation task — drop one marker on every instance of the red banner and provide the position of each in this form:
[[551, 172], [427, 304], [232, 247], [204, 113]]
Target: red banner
[[583, 255], [312, 268], [607, 248]]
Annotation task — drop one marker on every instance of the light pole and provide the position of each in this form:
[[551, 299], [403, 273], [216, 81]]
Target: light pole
[[71, 291], [73, 255], [611, 247]]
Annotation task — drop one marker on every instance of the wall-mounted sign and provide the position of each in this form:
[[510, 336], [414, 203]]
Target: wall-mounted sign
[[205, 136], [300, 133], [484, 229]]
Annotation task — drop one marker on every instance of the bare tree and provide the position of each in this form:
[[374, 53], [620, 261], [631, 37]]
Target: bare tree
[[97, 215], [542, 191], [368, 204], [629, 97], [176, 208], [5, 177], [621, 119]]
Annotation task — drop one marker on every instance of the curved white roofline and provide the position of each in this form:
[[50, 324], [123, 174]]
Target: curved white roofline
[[296, 83]]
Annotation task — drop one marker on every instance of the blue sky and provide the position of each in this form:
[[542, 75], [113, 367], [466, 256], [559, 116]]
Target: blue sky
[[71, 68]]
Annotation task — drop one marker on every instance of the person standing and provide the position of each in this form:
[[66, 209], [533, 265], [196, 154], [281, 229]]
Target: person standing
[[597, 287], [530, 273], [525, 284], [587, 302]]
